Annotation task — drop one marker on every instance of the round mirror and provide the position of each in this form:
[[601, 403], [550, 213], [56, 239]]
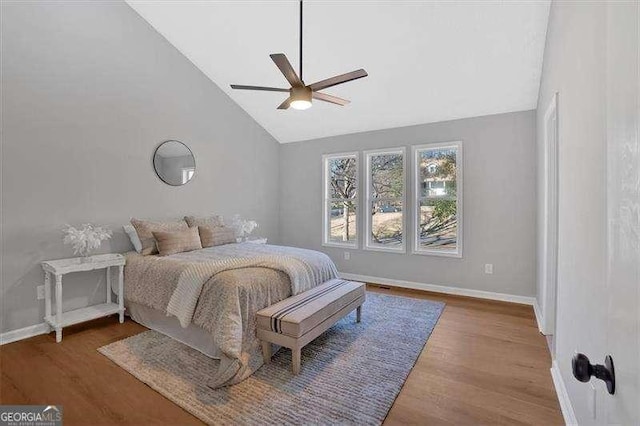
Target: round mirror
[[174, 163]]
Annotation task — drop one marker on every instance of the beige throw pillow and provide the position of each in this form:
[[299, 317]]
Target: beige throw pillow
[[145, 229], [177, 241], [212, 221], [216, 235]]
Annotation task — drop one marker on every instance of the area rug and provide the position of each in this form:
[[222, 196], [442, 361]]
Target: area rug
[[350, 375]]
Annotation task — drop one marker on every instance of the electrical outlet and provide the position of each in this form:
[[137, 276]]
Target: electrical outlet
[[347, 255], [40, 290], [488, 268]]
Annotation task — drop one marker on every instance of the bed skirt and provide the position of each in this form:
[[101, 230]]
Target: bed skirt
[[192, 336]]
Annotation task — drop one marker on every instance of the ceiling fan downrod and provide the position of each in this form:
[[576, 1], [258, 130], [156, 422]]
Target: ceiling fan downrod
[[301, 79]]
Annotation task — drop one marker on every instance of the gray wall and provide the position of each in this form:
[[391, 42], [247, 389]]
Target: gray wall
[[89, 90], [499, 203], [574, 66]]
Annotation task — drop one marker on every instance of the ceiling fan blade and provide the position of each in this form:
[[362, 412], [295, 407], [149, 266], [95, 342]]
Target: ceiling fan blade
[[283, 63], [339, 79], [285, 104], [329, 98], [266, 89]]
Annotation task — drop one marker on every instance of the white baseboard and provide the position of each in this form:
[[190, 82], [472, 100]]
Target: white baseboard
[[43, 328], [539, 316], [24, 333], [441, 289], [565, 403]]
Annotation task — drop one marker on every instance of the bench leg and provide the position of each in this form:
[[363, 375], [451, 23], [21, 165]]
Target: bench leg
[[358, 313], [295, 361], [266, 351]]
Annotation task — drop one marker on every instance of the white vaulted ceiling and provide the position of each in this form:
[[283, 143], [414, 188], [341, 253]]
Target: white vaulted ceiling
[[427, 61]]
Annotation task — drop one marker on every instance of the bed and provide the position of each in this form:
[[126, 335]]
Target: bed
[[207, 298]]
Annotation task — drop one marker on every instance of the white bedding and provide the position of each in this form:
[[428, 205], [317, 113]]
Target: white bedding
[[218, 290]]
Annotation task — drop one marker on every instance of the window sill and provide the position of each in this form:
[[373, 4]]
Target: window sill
[[436, 253], [403, 250], [341, 245]]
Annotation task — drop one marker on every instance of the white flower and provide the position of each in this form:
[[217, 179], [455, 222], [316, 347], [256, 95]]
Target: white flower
[[243, 227], [86, 239]]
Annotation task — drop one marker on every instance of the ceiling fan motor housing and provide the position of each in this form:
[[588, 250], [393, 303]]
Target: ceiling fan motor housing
[[300, 93]]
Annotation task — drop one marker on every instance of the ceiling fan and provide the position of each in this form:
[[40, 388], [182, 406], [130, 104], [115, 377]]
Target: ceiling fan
[[300, 95]]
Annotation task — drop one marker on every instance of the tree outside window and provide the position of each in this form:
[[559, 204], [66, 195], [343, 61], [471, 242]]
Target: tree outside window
[[385, 200], [437, 200], [341, 199]]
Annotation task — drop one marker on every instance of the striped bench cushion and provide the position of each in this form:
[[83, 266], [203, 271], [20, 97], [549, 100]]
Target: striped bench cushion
[[299, 314]]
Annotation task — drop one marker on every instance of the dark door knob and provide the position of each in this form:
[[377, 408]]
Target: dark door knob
[[583, 370]]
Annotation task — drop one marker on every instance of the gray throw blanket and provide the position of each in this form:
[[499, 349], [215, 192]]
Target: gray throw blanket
[[221, 288]]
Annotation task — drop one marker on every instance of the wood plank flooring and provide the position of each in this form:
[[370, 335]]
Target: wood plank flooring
[[485, 363]]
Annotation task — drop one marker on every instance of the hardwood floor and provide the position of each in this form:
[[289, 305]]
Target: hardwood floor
[[485, 363]]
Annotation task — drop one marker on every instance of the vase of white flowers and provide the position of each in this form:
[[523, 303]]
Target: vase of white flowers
[[86, 239], [243, 227]]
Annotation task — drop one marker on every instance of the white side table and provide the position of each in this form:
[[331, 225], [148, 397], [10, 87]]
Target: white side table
[[64, 266]]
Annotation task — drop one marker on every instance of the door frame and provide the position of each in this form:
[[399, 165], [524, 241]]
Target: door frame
[[550, 220]]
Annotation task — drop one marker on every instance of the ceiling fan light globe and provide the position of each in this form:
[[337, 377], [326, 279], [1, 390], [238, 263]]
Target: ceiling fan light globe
[[301, 104], [300, 98]]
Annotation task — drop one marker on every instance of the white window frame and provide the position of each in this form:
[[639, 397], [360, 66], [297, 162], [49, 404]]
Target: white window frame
[[326, 200], [417, 198], [187, 174], [368, 245]]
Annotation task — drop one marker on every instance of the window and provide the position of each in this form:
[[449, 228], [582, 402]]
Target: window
[[385, 200], [340, 176], [438, 199], [187, 174]]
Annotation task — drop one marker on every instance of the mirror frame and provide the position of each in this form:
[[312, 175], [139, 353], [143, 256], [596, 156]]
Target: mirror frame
[[153, 162]]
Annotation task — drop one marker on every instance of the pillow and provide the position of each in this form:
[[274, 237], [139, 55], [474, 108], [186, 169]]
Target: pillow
[[133, 237], [212, 221], [177, 241], [216, 235], [145, 229]]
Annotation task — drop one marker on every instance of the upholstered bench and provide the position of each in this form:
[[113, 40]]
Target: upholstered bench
[[296, 321]]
